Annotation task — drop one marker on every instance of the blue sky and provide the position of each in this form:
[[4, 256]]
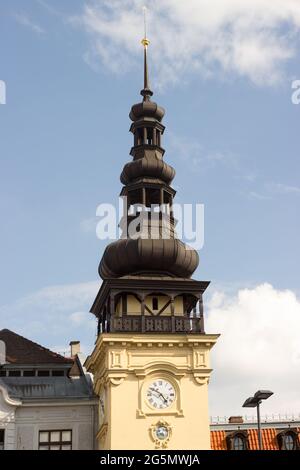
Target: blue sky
[[72, 71]]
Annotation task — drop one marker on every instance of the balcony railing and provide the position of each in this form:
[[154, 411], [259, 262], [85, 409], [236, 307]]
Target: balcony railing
[[149, 324]]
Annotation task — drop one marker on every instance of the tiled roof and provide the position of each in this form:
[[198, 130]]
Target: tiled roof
[[269, 440], [20, 350], [217, 440]]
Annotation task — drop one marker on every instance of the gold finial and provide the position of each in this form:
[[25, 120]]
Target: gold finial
[[146, 92], [145, 41]]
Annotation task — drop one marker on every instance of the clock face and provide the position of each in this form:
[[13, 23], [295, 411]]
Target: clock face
[[160, 394]]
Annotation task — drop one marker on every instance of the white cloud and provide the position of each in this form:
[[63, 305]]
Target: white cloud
[[54, 315], [258, 196], [271, 189], [259, 348], [200, 158], [24, 20], [284, 188], [49, 8], [248, 38], [80, 319]]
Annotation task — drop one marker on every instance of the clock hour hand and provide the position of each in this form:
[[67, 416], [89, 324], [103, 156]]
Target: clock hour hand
[[156, 391]]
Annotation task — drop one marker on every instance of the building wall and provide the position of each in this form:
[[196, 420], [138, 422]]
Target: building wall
[[7, 422], [125, 365], [130, 424], [78, 418]]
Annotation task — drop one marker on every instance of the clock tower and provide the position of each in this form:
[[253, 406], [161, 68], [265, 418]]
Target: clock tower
[[151, 359]]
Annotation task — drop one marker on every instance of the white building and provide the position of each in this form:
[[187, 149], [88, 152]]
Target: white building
[[46, 400]]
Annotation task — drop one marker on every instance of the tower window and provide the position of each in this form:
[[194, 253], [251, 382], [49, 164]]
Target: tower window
[[239, 443], [149, 136], [154, 303]]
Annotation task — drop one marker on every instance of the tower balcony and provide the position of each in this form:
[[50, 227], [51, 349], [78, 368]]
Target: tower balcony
[[149, 324], [154, 305]]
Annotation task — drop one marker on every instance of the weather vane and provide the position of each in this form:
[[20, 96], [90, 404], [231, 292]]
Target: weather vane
[[145, 41]]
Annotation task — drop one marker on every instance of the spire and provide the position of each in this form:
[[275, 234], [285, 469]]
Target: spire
[[146, 92]]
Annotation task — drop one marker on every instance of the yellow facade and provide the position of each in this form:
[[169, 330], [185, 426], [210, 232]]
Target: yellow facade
[[125, 364]]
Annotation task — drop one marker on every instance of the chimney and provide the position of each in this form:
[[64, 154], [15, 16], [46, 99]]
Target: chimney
[[236, 420], [75, 348]]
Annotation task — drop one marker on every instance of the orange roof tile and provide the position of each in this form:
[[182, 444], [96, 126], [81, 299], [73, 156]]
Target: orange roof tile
[[218, 440], [269, 440]]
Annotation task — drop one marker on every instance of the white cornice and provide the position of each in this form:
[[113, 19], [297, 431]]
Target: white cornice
[[8, 400]]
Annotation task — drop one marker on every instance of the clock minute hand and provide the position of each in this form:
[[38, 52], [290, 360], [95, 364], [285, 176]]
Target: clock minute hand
[[159, 394], [165, 400]]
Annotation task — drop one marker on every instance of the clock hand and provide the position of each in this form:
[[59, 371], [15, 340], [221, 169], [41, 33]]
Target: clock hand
[[156, 391], [159, 394], [165, 400]]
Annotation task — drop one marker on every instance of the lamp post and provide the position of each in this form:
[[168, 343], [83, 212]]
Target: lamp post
[[254, 402]]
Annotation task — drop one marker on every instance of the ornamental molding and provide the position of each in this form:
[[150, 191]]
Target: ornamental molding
[[202, 378], [7, 399]]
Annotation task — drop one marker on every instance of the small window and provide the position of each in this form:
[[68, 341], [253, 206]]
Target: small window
[[2, 373], [239, 443], [289, 441], [154, 303], [28, 373], [58, 373], [43, 373], [14, 373], [2, 434], [55, 440]]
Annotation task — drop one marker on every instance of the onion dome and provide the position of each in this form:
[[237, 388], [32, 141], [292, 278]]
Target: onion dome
[[148, 257], [151, 166], [146, 109], [146, 181]]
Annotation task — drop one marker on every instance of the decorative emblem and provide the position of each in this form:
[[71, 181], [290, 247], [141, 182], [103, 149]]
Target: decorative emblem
[[161, 434]]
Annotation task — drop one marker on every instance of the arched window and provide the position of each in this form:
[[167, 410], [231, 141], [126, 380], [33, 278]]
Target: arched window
[[289, 441], [237, 440], [239, 443]]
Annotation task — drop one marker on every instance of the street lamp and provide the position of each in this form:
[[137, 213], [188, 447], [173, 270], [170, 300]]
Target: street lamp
[[254, 402]]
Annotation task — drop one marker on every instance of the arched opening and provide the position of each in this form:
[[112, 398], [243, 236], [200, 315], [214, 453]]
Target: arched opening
[[239, 442]]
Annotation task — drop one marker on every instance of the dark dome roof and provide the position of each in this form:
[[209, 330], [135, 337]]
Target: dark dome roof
[[151, 165], [146, 109], [129, 256]]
